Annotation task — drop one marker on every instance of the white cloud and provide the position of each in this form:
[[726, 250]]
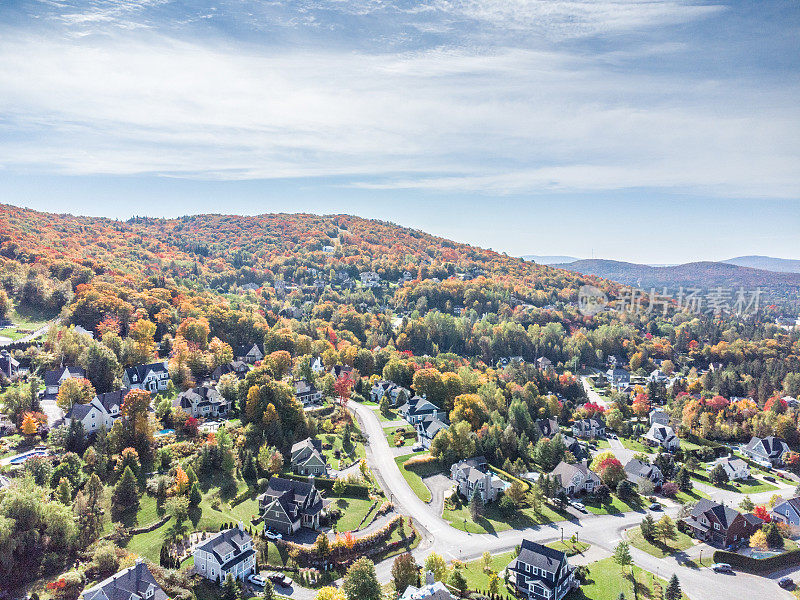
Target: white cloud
[[501, 120]]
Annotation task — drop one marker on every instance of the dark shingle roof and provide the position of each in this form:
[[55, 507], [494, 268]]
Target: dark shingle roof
[[129, 584], [51, 378], [540, 556]]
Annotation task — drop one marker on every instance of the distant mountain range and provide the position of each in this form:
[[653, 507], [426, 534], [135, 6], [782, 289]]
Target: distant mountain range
[[696, 274], [549, 260], [767, 263]]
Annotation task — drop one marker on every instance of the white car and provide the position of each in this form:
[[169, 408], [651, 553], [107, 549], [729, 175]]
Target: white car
[[257, 580], [578, 505], [272, 535]]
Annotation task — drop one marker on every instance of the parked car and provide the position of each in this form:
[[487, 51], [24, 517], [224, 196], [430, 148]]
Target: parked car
[[272, 535], [769, 478], [722, 568], [655, 506], [417, 448], [786, 583], [280, 579], [257, 580], [578, 505]]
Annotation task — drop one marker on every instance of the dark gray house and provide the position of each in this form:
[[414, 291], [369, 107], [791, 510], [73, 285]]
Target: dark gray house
[[541, 573], [288, 505], [133, 583]]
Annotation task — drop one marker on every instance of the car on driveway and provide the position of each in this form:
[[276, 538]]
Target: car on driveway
[[769, 478], [722, 568], [417, 448], [655, 506], [786, 583], [280, 579], [578, 506], [257, 580], [272, 535]]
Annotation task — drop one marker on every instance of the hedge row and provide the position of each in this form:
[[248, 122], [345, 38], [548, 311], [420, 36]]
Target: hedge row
[[326, 483], [510, 477], [758, 565]]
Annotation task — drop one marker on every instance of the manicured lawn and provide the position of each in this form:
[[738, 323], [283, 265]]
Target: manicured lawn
[[407, 441], [602, 444], [752, 486], [492, 521], [27, 318], [391, 415], [606, 580], [478, 580], [614, 506], [635, 445], [686, 445], [335, 440], [353, 510], [414, 476], [692, 495], [657, 548], [569, 548]]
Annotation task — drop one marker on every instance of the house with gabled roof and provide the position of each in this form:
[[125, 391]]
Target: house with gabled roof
[[735, 468], [202, 402], [307, 393], [766, 450], [395, 394], [575, 479], [541, 573], [428, 428], [661, 435], [787, 512], [229, 552], [589, 428], [547, 427], [472, 476], [133, 583], [719, 524], [53, 379], [249, 353], [153, 377], [660, 416], [287, 505], [237, 367], [9, 366], [417, 408], [307, 458], [100, 413], [638, 471]]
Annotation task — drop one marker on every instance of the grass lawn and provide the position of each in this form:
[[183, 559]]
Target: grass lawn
[[602, 444], [657, 548], [407, 441], [614, 506], [353, 510], [478, 580], [605, 581], [335, 440], [492, 521], [569, 548], [414, 476], [692, 495], [391, 415], [686, 445], [25, 317], [634, 445]]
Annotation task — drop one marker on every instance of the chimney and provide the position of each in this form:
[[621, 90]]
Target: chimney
[[139, 560], [428, 577], [241, 526]]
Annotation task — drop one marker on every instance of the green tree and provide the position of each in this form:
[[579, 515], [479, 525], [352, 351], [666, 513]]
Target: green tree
[[622, 555], [476, 506], [648, 527], [673, 591], [458, 581], [718, 476], [64, 492], [195, 497], [230, 591], [436, 565], [683, 479], [361, 582], [405, 572], [126, 492], [747, 504], [322, 546], [665, 529]]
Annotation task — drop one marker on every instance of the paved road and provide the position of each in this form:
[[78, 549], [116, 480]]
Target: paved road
[[592, 395], [603, 531], [41, 331]]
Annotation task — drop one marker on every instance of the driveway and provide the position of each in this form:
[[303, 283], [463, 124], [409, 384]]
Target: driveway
[[54, 413]]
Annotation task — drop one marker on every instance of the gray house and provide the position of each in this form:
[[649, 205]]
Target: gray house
[[541, 573], [766, 450], [133, 583], [787, 511], [307, 458], [288, 505], [472, 476]]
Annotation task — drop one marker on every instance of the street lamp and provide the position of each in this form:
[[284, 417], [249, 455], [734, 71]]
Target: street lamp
[[562, 534]]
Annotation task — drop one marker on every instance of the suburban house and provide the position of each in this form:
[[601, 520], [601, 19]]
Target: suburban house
[[735, 468], [153, 377], [417, 408], [339, 370], [288, 505], [307, 458], [227, 552], [578, 449], [544, 364], [576, 479], [9, 366], [248, 353], [133, 583], [766, 450], [657, 376], [787, 511], [661, 435], [101, 412], [395, 394], [306, 392], [589, 428], [637, 471], [660, 416], [428, 428], [370, 279], [547, 427], [7, 426], [432, 590], [719, 524], [238, 367], [54, 379], [472, 476], [202, 402], [618, 377], [317, 366], [539, 572]]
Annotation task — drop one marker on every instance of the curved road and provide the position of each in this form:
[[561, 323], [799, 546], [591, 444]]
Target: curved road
[[603, 531]]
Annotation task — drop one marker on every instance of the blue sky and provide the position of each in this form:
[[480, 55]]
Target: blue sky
[[653, 131]]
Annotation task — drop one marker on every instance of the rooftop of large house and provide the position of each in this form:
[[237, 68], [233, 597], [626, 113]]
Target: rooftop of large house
[[226, 542], [133, 583]]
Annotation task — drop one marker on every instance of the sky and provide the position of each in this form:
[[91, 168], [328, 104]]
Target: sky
[[658, 131]]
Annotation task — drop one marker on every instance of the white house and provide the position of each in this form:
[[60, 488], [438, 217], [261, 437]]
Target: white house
[[661, 435], [472, 476], [249, 354], [228, 552], [428, 428], [100, 413], [153, 377], [660, 416], [202, 402], [370, 279], [54, 379], [576, 479], [735, 468]]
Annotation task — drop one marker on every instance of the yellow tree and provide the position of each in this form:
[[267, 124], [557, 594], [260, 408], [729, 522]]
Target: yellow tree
[[74, 390], [29, 425], [181, 481]]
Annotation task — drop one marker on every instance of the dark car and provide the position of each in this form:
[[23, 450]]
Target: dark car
[[769, 478], [786, 583]]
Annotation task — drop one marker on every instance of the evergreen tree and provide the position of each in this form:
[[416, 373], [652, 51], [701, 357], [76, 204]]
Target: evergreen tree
[[683, 479], [648, 527], [230, 591], [64, 492], [361, 582], [673, 591], [458, 581], [195, 497], [475, 506], [126, 492]]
